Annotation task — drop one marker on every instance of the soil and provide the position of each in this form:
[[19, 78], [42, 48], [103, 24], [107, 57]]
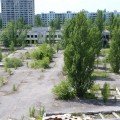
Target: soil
[[34, 88]]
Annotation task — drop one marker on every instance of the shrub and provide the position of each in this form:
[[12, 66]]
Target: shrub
[[2, 81], [95, 88], [12, 63], [106, 92], [14, 88], [64, 91], [32, 112], [43, 51], [40, 63], [0, 55]]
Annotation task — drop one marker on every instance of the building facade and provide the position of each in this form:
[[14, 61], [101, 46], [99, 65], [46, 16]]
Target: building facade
[[47, 17], [41, 34], [16, 9]]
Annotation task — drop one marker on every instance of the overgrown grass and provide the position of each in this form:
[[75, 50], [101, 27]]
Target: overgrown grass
[[12, 63], [42, 51], [44, 63], [99, 74], [105, 51], [64, 91], [2, 81], [42, 56]]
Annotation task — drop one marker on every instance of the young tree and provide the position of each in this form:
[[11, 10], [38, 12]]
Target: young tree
[[82, 44], [114, 55], [100, 20], [38, 21], [0, 54], [14, 32], [106, 92]]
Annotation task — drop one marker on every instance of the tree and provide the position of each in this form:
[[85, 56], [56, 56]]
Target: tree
[[106, 92], [38, 21], [81, 43], [14, 32], [55, 24], [0, 54], [100, 20], [114, 55]]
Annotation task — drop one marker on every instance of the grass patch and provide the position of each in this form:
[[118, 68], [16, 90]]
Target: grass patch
[[36, 64], [2, 81], [12, 63], [99, 74], [64, 91], [42, 56], [105, 51]]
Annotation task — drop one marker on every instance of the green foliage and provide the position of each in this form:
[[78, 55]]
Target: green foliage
[[2, 81], [100, 20], [14, 32], [114, 55], [32, 112], [55, 24], [44, 63], [1, 55], [12, 49], [106, 92], [43, 51], [82, 43], [12, 63], [38, 21], [105, 52], [14, 88], [42, 56], [95, 88], [99, 74], [64, 91]]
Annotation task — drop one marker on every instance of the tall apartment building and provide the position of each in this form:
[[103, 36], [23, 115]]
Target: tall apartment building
[[15, 9]]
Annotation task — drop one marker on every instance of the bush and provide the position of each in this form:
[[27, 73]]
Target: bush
[[95, 88], [43, 51], [40, 63], [0, 55], [12, 63], [106, 92], [64, 91]]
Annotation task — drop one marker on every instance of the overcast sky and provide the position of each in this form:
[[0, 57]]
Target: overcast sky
[[75, 5]]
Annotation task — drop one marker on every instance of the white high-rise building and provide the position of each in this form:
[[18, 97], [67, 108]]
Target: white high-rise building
[[15, 9]]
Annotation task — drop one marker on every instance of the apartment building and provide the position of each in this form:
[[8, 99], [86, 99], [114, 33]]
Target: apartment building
[[15, 9], [47, 17]]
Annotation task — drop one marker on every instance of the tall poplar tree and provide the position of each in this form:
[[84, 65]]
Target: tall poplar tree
[[82, 44]]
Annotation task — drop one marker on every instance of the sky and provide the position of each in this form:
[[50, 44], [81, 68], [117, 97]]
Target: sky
[[75, 5], [43, 6]]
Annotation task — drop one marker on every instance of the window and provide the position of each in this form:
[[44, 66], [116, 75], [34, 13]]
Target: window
[[35, 36], [31, 36], [28, 36]]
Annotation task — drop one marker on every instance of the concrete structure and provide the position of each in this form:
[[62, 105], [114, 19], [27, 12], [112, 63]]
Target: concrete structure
[[47, 17], [40, 34], [15, 9]]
